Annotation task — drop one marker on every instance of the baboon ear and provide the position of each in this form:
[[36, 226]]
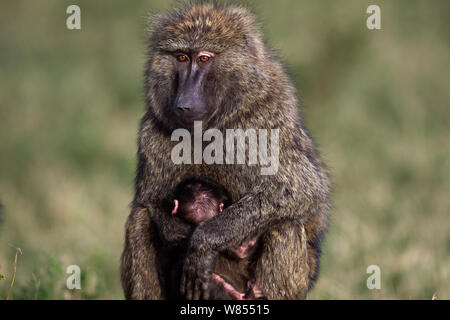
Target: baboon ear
[[175, 207], [220, 207]]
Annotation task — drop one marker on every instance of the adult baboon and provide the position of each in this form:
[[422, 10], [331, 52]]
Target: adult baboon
[[207, 62]]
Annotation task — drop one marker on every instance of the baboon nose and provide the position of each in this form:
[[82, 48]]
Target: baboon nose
[[185, 111], [184, 108]]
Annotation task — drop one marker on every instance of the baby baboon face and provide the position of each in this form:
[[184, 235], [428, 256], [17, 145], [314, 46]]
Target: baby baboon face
[[197, 200]]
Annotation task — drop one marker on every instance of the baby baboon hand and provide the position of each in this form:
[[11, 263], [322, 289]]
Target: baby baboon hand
[[197, 271], [231, 291]]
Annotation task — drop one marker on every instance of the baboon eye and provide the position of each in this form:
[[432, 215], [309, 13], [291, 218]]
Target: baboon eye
[[204, 58], [182, 58]]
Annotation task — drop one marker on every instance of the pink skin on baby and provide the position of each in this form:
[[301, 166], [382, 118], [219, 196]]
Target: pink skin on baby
[[254, 292], [244, 250]]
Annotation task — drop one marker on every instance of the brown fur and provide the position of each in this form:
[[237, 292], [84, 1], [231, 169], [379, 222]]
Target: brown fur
[[250, 90]]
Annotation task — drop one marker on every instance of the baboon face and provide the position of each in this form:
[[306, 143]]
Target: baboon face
[[205, 61], [190, 85], [192, 72]]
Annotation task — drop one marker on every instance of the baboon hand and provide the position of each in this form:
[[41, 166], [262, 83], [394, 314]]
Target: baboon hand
[[197, 272]]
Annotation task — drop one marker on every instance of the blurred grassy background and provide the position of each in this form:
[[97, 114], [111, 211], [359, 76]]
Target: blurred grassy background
[[376, 101]]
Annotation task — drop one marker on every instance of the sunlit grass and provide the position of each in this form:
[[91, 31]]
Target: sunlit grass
[[377, 103]]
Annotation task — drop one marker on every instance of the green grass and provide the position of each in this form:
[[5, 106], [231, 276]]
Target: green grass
[[377, 103]]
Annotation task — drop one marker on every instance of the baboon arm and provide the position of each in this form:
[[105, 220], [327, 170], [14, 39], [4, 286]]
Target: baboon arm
[[172, 229], [251, 215], [152, 185], [140, 279], [296, 191]]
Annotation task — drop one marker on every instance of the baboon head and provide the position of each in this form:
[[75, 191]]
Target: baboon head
[[206, 62]]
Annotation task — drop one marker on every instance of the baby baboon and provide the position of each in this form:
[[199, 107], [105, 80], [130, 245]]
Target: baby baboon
[[197, 200], [208, 62]]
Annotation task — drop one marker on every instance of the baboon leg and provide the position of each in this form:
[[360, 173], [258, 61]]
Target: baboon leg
[[139, 271], [315, 228], [282, 271], [313, 263]]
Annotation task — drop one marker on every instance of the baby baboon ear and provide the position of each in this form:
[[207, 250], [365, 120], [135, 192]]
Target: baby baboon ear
[[175, 207], [220, 207]]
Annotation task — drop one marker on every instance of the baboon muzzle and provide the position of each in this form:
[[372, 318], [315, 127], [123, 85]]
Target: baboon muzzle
[[190, 101]]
